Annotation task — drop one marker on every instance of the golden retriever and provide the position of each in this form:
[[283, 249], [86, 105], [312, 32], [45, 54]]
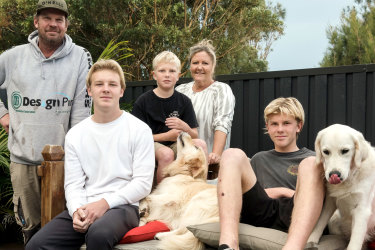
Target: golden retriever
[[349, 168], [182, 198]]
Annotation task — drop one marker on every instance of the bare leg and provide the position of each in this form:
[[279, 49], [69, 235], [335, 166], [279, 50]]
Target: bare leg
[[236, 177], [308, 202], [164, 156]]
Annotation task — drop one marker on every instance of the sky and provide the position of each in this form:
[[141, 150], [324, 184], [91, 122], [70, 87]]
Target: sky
[[305, 40]]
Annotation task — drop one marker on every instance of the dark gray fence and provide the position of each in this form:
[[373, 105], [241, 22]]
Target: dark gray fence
[[329, 95]]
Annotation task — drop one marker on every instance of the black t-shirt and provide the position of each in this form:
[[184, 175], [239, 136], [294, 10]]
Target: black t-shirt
[[154, 110]]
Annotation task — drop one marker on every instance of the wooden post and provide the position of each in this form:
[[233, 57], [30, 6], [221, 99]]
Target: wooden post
[[52, 183]]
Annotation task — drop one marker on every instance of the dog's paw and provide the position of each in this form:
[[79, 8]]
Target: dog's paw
[[311, 246], [143, 213], [143, 221], [144, 209], [314, 238], [158, 236]]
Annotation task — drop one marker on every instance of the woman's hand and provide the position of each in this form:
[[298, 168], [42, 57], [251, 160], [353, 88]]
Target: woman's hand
[[213, 158]]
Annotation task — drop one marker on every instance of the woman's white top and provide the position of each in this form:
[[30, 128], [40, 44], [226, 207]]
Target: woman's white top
[[214, 108]]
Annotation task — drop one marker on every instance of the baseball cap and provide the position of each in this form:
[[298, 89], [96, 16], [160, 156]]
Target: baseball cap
[[54, 4]]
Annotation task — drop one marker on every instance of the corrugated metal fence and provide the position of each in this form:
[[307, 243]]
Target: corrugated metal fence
[[329, 95]]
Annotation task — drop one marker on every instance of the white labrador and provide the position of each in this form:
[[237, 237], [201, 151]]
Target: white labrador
[[349, 168]]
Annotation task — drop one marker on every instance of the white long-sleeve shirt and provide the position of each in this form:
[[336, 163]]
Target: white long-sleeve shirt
[[114, 161], [214, 108]]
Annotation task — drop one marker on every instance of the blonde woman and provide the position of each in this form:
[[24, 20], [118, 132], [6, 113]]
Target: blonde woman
[[213, 101]]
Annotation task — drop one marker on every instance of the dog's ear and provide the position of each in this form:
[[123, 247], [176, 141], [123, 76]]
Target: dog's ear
[[361, 148], [195, 167], [318, 152]]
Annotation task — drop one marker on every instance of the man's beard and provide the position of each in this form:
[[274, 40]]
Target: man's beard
[[51, 42]]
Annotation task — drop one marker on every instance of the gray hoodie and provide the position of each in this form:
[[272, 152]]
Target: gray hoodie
[[46, 96]]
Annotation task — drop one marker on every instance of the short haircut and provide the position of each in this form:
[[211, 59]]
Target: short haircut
[[166, 57], [206, 46], [285, 106], [106, 65]]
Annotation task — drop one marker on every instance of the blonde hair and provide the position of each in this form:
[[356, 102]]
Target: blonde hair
[[103, 64], [286, 106], [166, 57], [206, 46]]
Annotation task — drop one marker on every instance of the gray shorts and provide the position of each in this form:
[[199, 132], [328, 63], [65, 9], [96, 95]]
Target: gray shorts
[[173, 146]]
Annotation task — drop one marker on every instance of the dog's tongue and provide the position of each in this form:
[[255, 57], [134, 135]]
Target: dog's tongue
[[334, 179]]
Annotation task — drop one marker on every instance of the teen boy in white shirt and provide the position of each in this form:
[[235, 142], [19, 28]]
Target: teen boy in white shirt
[[109, 166]]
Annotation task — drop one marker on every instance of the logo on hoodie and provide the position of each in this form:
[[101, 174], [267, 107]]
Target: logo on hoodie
[[60, 100], [16, 100]]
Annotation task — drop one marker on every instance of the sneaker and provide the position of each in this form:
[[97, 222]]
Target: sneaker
[[224, 247]]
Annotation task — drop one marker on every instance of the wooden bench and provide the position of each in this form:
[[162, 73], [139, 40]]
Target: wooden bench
[[52, 182], [52, 191], [53, 202]]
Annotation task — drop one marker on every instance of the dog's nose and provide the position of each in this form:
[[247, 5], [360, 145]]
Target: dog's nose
[[336, 173]]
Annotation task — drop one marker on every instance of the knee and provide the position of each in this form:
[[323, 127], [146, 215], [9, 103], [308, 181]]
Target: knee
[[309, 167], [234, 161], [310, 171], [200, 143], [233, 155], [36, 242], [164, 155], [100, 238]]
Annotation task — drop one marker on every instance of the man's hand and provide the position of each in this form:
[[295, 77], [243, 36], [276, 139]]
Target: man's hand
[[80, 222], [95, 210], [4, 121]]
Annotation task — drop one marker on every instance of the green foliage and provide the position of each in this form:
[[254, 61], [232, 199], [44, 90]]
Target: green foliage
[[126, 106], [242, 30], [117, 51], [352, 42], [6, 190]]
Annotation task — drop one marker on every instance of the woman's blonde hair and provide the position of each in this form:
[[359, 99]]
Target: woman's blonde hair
[[285, 106], [206, 46], [108, 64]]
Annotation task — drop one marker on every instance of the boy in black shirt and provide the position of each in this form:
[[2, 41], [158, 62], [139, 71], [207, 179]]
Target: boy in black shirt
[[166, 111]]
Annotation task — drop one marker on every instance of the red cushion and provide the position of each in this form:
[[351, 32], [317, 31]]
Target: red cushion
[[146, 232], [371, 245]]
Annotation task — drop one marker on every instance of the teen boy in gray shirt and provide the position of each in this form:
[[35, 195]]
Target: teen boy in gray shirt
[[266, 196]]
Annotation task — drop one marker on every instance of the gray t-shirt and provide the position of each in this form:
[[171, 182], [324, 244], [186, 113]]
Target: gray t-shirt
[[275, 169]]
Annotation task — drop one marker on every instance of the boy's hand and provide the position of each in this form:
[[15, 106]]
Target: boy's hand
[[80, 222], [177, 123], [173, 134], [95, 210], [279, 192]]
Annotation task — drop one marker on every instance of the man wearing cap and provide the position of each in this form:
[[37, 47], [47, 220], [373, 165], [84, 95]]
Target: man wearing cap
[[45, 83]]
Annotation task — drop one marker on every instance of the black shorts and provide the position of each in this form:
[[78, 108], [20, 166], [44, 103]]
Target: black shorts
[[262, 211]]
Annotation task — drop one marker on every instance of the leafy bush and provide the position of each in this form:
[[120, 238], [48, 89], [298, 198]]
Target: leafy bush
[[9, 230]]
